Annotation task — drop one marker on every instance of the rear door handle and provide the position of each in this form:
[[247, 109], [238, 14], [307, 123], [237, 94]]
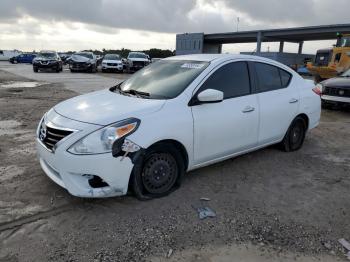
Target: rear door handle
[[293, 100], [248, 109]]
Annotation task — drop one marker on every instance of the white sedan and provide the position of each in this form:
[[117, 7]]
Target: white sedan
[[176, 115]]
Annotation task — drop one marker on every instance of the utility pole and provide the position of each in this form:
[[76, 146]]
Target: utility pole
[[237, 23]]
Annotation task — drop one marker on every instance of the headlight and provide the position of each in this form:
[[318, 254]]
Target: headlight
[[101, 141], [320, 87]]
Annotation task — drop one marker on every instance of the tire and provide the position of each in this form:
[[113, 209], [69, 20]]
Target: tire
[[294, 138], [35, 69], [72, 71], [58, 69], [159, 172]]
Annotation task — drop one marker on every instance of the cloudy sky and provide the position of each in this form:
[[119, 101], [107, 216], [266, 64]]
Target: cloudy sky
[[143, 24]]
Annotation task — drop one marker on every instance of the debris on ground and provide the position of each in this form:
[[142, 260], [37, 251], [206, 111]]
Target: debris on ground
[[204, 199], [204, 212], [346, 245], [170, 252]]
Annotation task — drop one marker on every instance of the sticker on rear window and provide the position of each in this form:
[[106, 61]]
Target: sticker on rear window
[[192, 66]]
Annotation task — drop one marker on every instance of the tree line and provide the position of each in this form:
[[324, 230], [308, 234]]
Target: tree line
[[153, 52]]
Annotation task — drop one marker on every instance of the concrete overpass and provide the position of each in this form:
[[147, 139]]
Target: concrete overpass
[[196, 43]]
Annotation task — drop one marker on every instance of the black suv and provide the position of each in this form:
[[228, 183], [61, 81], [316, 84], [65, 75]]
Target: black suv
[[47, 60], [336, 91]]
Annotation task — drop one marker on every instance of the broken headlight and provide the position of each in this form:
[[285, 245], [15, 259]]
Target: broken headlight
[[101, 141]]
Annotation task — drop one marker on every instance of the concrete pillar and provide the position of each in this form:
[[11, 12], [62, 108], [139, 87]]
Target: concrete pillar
[[258, 43], [281, 46], [300, 50]]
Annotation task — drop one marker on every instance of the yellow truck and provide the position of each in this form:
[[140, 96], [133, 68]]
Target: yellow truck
[[332, 61]]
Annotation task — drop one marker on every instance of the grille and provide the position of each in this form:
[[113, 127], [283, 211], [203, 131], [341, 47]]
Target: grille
[[322, 59], [51, 136], [138, 64], [336, 91], [79, 64], [112, 64]]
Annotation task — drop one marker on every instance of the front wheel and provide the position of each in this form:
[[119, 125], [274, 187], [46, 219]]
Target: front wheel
[[294, 138], [159, 174]]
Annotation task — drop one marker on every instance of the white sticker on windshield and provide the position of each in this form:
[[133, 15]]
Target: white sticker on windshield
[[192, 66]]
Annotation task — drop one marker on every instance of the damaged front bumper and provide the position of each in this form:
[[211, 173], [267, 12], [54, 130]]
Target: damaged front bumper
[[90, 176]]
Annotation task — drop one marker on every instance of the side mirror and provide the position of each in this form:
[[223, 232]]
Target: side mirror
[[206, 97], [210, 96]]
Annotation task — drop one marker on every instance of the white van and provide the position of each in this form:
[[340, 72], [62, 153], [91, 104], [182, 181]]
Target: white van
[[5, 55]]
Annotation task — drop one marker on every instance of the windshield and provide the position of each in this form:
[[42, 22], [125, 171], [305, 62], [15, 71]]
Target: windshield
[[345, 42], [87, 55], [47, 55], [112, 57], [164, 79], [136, 55], [346, 73]]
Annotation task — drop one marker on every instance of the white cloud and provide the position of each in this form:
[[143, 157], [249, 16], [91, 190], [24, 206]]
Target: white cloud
[[140, 24]]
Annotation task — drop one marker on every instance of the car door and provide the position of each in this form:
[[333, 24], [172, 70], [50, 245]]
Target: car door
[[224, 128], [278, 100]]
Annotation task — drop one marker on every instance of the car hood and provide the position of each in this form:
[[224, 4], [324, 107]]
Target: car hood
[[79, 58], [106, 107], [337, 82], [44, 59], [111, 61]]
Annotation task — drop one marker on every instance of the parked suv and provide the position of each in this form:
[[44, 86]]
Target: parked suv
[[176, 115], [83, 62], [138, 60], [336, 91], [47, 60], [112, 62]]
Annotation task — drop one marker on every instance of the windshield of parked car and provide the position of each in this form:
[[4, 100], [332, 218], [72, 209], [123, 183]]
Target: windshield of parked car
[[87, 55], [47, 55], [136, 55], [112, 57], [165, 79], [346, 73]]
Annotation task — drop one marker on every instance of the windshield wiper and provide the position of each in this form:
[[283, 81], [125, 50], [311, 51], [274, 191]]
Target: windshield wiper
[[137, 93]]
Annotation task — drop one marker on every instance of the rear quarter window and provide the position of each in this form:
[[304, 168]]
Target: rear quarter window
[[285, 77]]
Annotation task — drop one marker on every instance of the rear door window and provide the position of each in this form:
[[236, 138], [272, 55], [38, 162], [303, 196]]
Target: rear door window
[[232, 79], [271, 77]]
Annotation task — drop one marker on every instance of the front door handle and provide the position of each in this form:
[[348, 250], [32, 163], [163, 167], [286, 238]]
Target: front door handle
[[248, 109], [293, 100]]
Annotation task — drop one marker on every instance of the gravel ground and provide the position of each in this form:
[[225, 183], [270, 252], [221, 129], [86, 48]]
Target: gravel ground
[[272, 204]]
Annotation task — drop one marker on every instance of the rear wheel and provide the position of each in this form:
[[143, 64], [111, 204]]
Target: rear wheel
[[294, 138], [160, 173]]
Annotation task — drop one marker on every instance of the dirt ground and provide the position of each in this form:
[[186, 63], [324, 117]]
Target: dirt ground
[[270, 205]]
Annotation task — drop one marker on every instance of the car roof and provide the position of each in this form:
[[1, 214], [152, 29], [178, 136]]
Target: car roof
[[215, 57], [225, 57]]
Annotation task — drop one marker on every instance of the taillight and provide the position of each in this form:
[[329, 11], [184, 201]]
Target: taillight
[[317, 91]]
